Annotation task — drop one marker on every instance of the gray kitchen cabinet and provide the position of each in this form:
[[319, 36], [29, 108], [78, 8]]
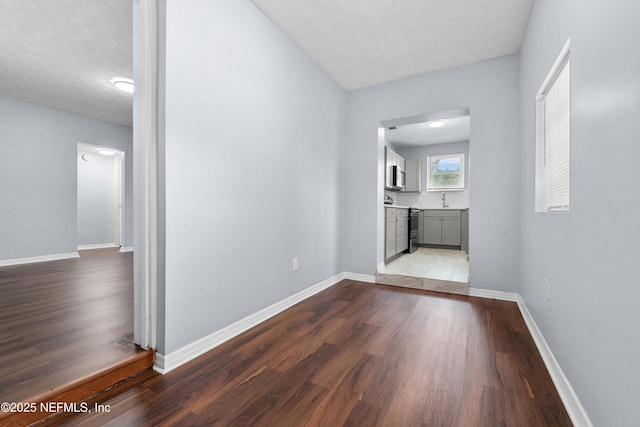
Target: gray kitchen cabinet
[[391, 159], [413, 176], [464, 233], [441, 227], [396, 239], [432, 230], [402, 230], [391, 233], [451, 231], [389, 162]]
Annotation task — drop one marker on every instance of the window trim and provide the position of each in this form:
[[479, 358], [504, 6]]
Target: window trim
[[541, 171], [461, 173]]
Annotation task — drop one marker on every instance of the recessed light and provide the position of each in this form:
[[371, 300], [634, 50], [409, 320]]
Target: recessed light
[[124, 84], [106, 152], [436, 123]]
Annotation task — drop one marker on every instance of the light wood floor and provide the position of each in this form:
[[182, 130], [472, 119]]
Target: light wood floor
[[357, 354], [63, 320]]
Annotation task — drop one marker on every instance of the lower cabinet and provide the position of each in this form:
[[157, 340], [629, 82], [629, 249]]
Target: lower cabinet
[[441, 227], [396, 231], [390, 239], [464, 232], [402, 230]]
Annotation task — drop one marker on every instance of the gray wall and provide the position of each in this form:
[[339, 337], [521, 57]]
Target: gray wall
[[38, 182], [489, 89], [590, 254], [97, 198], [252, 134]]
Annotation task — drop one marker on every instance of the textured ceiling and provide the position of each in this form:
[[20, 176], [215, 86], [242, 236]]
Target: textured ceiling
[[366, 42], [62, 54]]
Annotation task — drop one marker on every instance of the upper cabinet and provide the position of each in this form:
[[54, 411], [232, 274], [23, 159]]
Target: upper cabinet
[[413, 175], [394, 176]]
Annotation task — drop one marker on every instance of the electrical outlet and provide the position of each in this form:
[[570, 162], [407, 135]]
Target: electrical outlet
[[547, 289], [295, 264]]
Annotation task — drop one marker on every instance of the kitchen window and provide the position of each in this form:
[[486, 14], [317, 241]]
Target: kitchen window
[[553, 138], [445, 172]]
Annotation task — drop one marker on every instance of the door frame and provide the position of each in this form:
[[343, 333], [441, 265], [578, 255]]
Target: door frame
[[145, 138], [120, 192]]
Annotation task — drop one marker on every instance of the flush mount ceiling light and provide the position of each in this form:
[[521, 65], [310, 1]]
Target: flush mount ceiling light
[[124, 84], [436, 123], [106, 152]]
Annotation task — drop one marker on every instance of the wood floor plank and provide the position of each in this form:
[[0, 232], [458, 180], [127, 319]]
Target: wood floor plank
[[63, 320], [338, 403], [359, 354], [363, 414]]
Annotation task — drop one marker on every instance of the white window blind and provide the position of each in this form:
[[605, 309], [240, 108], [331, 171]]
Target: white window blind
[[553, 137], [557, 133]]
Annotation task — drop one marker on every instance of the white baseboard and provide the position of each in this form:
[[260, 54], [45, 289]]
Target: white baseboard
[[488, 293], [97, 246], [572, 404], [41, 258], [169, 362], [126, 248]]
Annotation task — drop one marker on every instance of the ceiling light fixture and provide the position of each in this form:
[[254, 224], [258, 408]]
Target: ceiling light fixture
[[106, 152], [436, 123], [124, 84]]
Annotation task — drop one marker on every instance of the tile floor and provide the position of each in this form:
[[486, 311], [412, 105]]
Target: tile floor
[[431, 263]]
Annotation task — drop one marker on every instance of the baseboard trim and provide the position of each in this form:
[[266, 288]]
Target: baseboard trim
[[41, 258], [97, 246], [126, 248], [491, 294], [169, 362], [568, 396]]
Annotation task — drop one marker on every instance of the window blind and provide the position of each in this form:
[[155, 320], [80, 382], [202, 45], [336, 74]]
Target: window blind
[[557, 136]]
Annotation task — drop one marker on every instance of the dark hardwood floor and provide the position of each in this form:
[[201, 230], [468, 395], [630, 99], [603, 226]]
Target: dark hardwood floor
[[356, 354], [63, 320]]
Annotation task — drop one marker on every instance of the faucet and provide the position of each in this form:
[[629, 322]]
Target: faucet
[[444, 200]]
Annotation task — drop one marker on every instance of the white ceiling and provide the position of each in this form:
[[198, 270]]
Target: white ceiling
[[366, 42], [63, 53], [417, 134]]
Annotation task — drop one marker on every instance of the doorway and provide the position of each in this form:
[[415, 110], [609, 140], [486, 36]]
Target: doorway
[[100, 197], [434, 153]]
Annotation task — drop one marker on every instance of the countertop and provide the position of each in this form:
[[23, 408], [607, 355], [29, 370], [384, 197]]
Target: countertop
[[425, 209], [443, 209]]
